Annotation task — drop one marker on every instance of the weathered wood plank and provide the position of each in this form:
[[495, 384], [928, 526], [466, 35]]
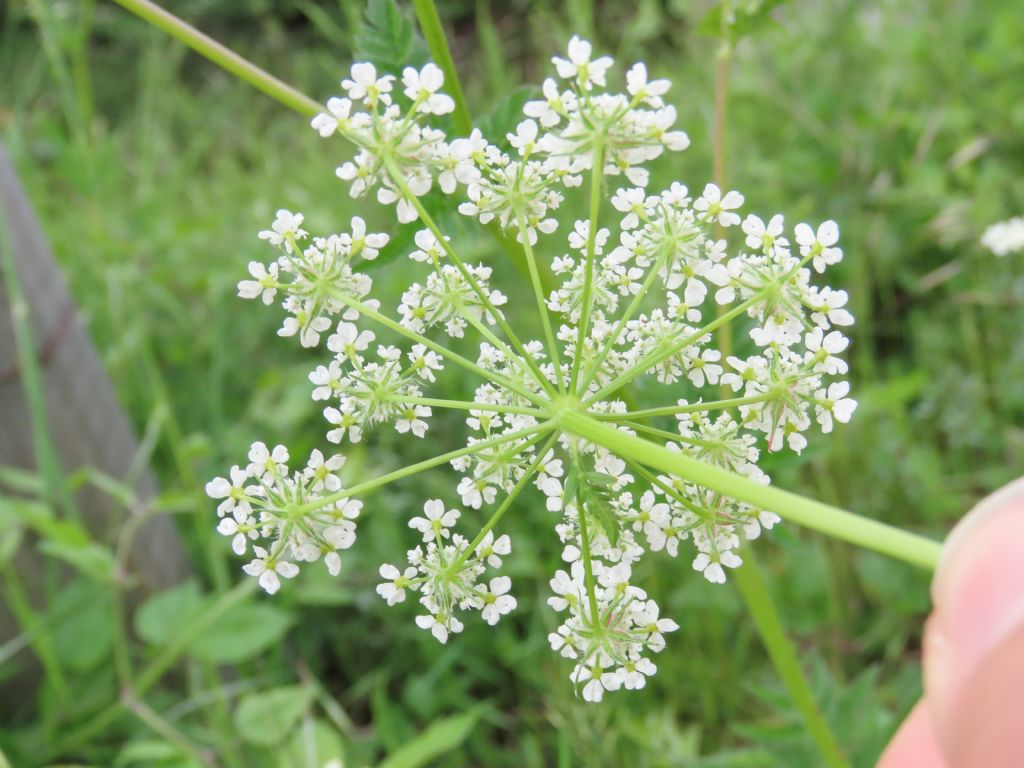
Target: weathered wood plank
[[87, 424]]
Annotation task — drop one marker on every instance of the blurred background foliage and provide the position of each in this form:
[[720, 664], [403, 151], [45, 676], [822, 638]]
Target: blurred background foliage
[[152, 171]]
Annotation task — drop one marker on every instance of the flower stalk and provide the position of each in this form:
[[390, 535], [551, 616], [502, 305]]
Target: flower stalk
[[824, 518]]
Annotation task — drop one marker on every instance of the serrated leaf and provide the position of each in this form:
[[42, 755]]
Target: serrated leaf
[[505, 116], [266, 718], [600, 479], [436, 739], [388, 39], [600, 508]]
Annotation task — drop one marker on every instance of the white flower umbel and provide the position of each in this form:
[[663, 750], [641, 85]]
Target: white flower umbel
[[643, 280]]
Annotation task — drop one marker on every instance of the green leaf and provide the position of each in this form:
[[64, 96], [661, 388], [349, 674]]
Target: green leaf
[[152, 753], [267, 717], [244, 632], [82, 635], [505, 116], [436, 739], [10, 536], [389, 39], [600, 508], [22, 481], [313, 743], [748, 18], [160, 618], [90, 559]]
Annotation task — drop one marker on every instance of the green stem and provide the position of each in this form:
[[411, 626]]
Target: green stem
[[588, 566], [670, 410], [223, 57], [30, 372], [658, 356], [596, 178], [156, 668], [751, 583], [395, 174], [824, 518], [437, 42], [444, 352], [35, 629], [465, 405], [412, 469], [161, 727], [538, 292], [595, 367]]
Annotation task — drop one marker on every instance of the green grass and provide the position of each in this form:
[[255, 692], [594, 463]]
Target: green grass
[[152, 172]]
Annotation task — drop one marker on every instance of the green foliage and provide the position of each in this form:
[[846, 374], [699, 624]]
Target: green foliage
[[389, 38], [244, 632], [436, 740], [267, 717]]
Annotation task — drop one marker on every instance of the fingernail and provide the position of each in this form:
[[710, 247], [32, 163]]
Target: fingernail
[[978, 588]]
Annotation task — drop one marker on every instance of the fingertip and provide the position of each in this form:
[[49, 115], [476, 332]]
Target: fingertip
[[915, 744]]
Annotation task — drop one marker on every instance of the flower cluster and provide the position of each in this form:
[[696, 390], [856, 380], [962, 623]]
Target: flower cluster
[[288, 517], [446, 570], [1005, 237], [641, 287]]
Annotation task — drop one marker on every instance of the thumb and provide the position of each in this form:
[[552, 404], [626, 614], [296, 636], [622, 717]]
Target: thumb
[[974, 640]]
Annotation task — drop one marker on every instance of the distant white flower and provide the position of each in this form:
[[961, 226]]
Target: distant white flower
[[1005, 237]]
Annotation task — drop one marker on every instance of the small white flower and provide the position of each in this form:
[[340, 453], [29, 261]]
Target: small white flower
[[834, 403], [286, 227], [439, 626], [714, 207], [497, 601], [263, 460], [587, 73], [264, 285], [393, 590], [491, 550], [423, 87], [819, 245], [642, 90], [347, 341], [268, 570], [437, 521], [364, 85], [411, 420]]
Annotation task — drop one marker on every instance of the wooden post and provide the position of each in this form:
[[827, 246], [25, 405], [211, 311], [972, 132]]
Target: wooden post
[[86, 423]]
